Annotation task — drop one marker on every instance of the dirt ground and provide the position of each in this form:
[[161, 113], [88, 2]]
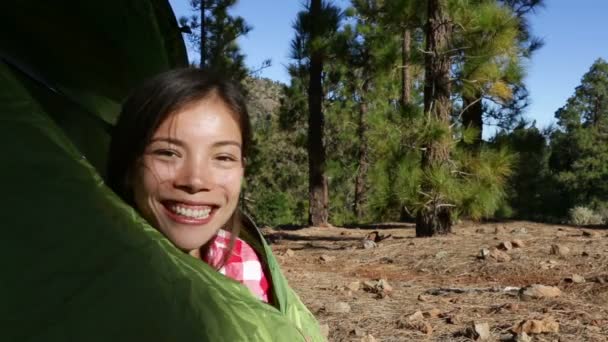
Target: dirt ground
[[447, 280]]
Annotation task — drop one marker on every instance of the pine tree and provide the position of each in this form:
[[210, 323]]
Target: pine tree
[[580, 146], [216, 37]]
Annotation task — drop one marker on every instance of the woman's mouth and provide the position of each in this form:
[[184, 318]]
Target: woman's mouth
[[189, 213]]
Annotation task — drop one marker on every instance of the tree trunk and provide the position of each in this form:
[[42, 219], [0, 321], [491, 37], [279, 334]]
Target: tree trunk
[[472, 116], [317, 182], [406, 87], [203, 34], [363, 165], [434, 218]]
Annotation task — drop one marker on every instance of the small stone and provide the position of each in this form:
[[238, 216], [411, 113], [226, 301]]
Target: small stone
[[369, 244], [354, 286], [324, 330], [505, 246], [589, 234], [384, 286], [337, 307], [585, 254], [418, 324], [484, 253], [433, 313], [523, 337], [538, 291], [441, 255], [290, 253], [424, 298], [520, 230], [499, 256], [534, 326], [357, 332], [575, 278], [499, 230], [480, 231], [559, 250], [418, 315], [517, 243], [477, 331], [368, 338], [327, 258]]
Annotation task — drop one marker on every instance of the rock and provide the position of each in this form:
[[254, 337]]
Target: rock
[[499, 230], [441, 255], [424, 298], [585, 254], [575, 278], [289, 253], [337, 307], [480, 231], [416, 324], [357, 332], [520, 230], [418, 315], [534, 326], [368, 338], [433, 313], [559, 250], [517, 243], [354, 286], [499, 255], [505, 246], [453, 319], [324, 330], [523, 337], [538, 291], [477, 331], [590, 234], [380, 287], [327, 258], [369, 244], [484, 253]]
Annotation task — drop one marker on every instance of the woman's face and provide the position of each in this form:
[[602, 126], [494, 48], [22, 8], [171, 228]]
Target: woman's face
[[187, 182]]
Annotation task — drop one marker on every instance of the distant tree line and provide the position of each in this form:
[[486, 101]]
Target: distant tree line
[[384, 117]]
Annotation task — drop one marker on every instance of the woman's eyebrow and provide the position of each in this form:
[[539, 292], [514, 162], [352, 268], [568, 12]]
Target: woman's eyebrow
[[169, 140], [226, 142]]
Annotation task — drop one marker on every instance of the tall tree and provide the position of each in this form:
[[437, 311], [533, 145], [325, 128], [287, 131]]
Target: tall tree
[[434, 217], [216, 36], [580, 146], [315, 28]]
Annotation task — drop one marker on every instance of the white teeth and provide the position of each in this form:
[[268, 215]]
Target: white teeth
[[192, 213]]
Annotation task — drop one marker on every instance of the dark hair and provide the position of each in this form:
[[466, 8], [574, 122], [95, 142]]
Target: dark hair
[[154, 101]]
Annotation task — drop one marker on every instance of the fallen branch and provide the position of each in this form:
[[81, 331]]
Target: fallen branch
[[445, 290]]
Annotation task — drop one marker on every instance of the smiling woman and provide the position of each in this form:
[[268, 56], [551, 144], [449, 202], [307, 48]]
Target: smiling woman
[[177, 156]]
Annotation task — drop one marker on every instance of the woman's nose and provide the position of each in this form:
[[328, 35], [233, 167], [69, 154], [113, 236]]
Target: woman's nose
[[193, 177]]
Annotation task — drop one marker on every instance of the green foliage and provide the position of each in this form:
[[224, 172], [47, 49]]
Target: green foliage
[[219, 31], [583, 216], [580, 147]]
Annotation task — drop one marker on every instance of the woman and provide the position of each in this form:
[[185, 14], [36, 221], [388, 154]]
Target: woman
[[178, 155]]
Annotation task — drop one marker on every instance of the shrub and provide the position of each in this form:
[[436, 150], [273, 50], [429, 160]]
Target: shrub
[[583, 216]]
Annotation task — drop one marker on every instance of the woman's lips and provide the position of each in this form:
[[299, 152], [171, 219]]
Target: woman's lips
[[188, 213]]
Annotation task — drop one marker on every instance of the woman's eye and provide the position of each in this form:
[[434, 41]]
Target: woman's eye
[[226, 158], [165, 153]]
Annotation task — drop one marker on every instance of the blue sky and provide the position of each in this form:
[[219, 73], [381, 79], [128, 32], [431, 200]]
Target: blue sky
[[575, 35]]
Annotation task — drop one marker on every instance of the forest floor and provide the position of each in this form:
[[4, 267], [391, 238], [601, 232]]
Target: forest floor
[[443, 289]]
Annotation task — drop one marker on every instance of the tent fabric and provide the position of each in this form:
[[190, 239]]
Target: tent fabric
[[77, 263]]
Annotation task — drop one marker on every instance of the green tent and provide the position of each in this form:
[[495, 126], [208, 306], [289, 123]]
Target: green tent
[[77, 263]]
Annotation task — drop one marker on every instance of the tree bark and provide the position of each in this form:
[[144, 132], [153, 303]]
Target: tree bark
[[435, 218], [203, 34], [317, 182], [472, 116], [363, 165], [406, 88]]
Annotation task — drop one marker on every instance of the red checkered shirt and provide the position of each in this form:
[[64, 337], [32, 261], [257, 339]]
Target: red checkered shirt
[[243, 265]]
